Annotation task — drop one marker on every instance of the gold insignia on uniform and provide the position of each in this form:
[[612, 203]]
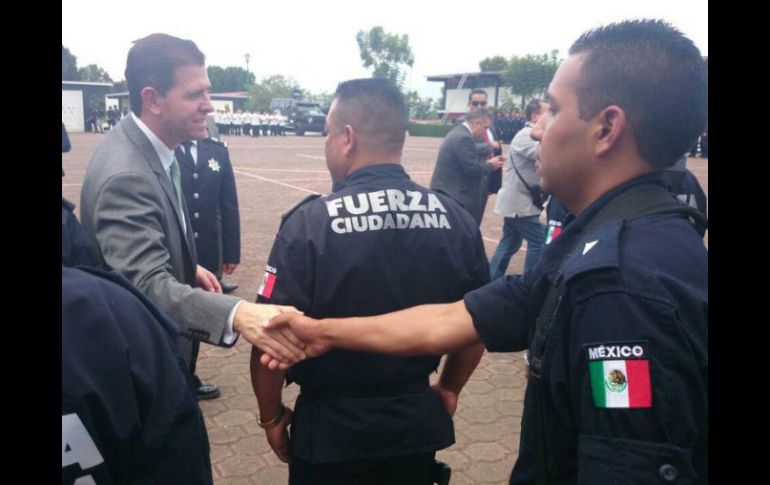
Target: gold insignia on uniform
[[213, 165]]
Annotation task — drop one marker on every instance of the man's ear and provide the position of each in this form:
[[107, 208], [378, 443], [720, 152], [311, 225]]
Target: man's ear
[[349, 141], [151, 100], [611, 125]]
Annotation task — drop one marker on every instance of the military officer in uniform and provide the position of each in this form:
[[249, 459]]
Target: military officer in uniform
[[380, 243], [614, 317], [209, 189]]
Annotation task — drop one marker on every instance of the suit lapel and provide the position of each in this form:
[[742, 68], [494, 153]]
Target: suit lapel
[[144, 146]]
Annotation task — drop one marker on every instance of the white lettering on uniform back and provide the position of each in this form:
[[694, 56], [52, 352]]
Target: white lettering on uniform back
[[363, 204], [414, 203], [76, 444], [396, 200], [434, 203], [377, 200], [333, 206]]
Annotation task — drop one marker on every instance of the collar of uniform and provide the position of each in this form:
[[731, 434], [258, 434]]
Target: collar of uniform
[[574, 225], [375, 172]]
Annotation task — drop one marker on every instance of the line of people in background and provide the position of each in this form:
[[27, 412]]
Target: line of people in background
[[249, 123]]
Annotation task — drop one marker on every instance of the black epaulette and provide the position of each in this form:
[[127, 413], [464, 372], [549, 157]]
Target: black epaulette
[[302, 202], [215, 141]]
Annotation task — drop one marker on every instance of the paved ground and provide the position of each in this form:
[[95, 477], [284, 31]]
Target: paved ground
[[273, 174]]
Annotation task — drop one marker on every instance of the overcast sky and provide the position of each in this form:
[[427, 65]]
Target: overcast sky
[[313, 41]]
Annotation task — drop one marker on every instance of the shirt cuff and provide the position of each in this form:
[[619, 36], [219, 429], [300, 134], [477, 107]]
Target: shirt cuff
[[230, 336]]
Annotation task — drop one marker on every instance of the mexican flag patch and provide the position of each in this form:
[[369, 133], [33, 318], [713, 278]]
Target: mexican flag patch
[[268, 282], [552, 231], [620, 375]]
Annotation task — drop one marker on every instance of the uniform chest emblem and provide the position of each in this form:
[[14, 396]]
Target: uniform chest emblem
[[213, 165]]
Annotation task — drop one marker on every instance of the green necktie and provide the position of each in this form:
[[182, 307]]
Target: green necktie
[[176, 180]]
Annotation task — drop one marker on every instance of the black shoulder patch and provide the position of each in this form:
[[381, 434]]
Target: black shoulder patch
[[302, 202], [214, 141]]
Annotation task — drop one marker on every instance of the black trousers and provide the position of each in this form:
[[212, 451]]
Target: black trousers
[[416, 469]]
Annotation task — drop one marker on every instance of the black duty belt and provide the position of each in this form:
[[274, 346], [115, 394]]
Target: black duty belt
[[391, 389]]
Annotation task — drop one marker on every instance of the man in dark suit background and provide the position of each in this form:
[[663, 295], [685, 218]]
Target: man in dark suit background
[[462, 167], [132, 205]]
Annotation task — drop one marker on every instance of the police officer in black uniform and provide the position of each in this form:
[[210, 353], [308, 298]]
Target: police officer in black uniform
[[209, 189], [127, 407], [614, 316], [380, 243]]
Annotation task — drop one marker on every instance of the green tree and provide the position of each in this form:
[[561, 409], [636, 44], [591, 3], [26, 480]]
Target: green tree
[[530, 75], [275, 86], [388, 54], [493, 64], [119, 87], [229, 79], [420, 108], [69, 65], [93, 73]]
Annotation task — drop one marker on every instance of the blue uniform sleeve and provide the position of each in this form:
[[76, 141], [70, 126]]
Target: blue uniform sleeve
[[123, 379], [499, 312], [639, 389]]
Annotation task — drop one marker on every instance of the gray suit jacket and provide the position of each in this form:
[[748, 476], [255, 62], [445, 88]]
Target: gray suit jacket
[[129, 210], [462, 170]]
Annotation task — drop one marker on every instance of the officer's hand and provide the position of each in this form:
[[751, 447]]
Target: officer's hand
[[229, 268], [205, 279], [448, 397], [278, 437], [302, 327], [251, 320]]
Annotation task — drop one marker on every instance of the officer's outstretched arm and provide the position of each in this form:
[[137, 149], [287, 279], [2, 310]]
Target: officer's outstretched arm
[[426, 329], [251, 320]]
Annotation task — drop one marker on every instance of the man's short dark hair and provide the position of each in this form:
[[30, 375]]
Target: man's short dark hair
[[477, 91], [152, 62], [479, 114], [375, 108], [533, 106], [655, 74]]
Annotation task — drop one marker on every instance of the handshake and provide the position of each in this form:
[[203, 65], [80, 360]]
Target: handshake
[[283, 334]]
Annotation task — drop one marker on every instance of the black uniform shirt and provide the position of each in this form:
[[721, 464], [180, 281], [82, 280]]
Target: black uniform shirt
[[625, 370], [379, 244], [128, 411]]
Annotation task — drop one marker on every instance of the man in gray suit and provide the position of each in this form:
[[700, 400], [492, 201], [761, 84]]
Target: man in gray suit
[[462, 167], [133, 209]]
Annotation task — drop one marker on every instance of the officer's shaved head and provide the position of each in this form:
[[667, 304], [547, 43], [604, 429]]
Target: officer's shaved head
[[375, 109], [655, 74]]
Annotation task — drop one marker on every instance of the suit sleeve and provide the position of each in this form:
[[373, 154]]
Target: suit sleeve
[[228, 206], [129, 231], [468, 157]]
